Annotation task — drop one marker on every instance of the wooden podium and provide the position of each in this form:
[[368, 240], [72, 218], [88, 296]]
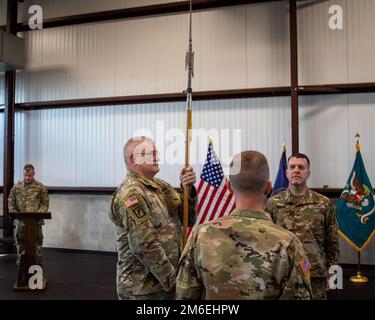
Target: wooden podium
[[28, 259]]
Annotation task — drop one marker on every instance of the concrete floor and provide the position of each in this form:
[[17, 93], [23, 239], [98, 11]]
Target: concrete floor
[[91, 276]]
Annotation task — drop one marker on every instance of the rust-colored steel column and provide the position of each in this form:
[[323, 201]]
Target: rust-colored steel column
[[10, 93], [294, 74]]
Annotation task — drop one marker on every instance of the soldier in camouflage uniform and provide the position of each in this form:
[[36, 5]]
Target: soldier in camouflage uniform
[[311, 217], [147, 212], [244, 256], [28, 195]]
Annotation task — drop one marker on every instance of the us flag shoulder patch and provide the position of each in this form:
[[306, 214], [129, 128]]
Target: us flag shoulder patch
[[305, 265], [131, 202]]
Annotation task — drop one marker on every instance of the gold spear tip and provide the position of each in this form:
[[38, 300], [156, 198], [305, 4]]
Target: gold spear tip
[[284, 146], [357, 145]]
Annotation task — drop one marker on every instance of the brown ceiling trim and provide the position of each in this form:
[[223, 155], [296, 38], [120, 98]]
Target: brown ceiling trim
[[200, 96], [155, 98], [79, 190], [328, 192], [82, 190], [135, 12], [365, 87]]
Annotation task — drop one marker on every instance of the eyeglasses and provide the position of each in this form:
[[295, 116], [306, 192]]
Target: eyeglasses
[[148, 154]]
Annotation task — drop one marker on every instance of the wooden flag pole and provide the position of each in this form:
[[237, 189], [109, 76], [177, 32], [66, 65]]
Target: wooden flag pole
[[189, 62]]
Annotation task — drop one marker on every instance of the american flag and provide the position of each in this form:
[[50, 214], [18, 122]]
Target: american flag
[[214, 199]]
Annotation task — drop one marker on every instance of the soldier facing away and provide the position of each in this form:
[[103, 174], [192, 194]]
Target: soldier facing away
[[147, 212], [244, 256], [311, 217], [28, 195]]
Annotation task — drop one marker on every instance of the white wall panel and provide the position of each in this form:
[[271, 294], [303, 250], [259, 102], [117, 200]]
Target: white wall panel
[[58, 8], [221, 49], [20, 141], [52, 65], [235, 47], [95, 60], [51, 142], [328, 125], [324, 137], [19, 145], [30, 84], [361, 44], [150, 55], [83, 147], [95, 147], [264, 124], [361, 120], [71, 62], [322, 52], [267, 51]]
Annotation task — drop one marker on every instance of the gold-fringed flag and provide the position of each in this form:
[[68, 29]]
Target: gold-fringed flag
[[356, 206]]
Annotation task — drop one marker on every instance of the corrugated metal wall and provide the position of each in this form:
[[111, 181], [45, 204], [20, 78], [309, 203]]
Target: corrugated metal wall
[[327, 132], [361, 44], [336, 56], [58, 8], [19, 145], [83, 147], [235, 47]]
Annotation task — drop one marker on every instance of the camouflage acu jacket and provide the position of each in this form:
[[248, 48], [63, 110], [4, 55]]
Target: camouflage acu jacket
[[243, 256], [312, 218], [28, 197], [148, 215]]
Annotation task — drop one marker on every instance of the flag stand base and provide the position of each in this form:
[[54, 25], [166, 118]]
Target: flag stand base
[[359, 278]]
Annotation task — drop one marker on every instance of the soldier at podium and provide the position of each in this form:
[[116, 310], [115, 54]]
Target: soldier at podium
[[28, 195]]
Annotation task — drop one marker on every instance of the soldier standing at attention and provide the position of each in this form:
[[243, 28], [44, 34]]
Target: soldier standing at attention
[[311, 217], [28, 195], [147, 212], [244, 255]]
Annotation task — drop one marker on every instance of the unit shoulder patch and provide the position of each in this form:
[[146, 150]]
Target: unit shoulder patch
[[136, 210]]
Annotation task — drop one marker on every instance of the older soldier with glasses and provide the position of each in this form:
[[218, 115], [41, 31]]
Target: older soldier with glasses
[[147, 212]]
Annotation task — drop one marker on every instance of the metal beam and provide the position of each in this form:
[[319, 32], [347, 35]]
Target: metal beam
[[136, 12], [342, 88], [329, 192], [348, 88], [156, 98], [10, 93], [294, 74]]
